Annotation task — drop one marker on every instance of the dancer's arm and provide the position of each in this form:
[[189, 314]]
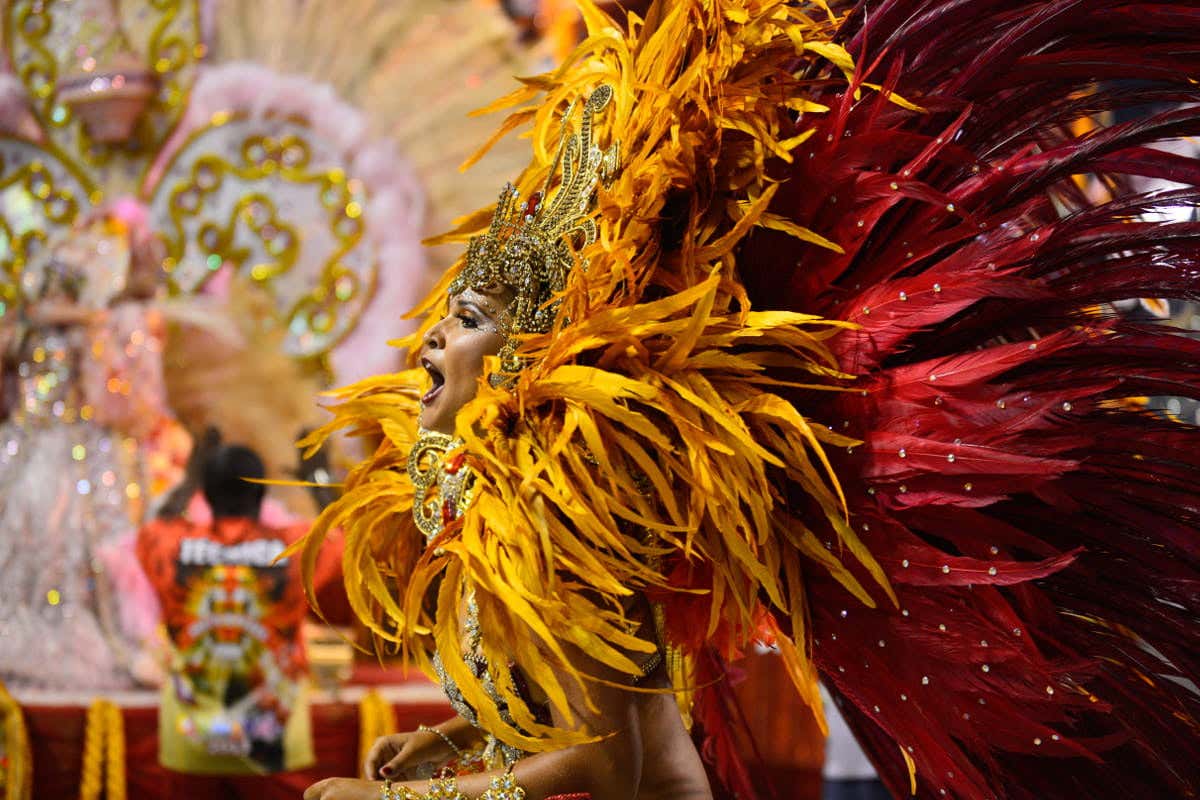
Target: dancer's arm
[[608, 769]]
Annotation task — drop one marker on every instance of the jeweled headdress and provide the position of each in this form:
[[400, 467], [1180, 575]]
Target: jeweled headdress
[[529, 249], [532, 246]]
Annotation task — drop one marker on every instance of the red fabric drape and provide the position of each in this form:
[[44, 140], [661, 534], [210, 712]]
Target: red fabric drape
[[789, 744], [56, 737]]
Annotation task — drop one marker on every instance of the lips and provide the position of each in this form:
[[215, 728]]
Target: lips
[[438, 379]]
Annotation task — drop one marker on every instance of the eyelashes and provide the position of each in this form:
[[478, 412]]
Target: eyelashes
[[473, 318], [473, 323]]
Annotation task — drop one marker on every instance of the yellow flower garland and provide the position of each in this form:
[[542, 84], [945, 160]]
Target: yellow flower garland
[[18, 776], [103, 752]]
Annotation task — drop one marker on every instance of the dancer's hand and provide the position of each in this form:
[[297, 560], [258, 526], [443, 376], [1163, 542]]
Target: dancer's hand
[[343, 789], [395, 755]]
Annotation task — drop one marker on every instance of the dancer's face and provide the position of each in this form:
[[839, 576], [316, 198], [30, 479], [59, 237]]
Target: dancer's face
[[453, 352]]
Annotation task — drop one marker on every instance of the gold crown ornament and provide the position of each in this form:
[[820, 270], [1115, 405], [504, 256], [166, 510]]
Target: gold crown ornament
[[532, 246]]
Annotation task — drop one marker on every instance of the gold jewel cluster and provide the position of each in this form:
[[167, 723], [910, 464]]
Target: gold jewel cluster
[[531, 246], [442, 486], [502, 787], [445, 788]]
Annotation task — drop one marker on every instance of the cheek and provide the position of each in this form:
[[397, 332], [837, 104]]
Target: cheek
[[495, 344], [469, 356], [485, 344]]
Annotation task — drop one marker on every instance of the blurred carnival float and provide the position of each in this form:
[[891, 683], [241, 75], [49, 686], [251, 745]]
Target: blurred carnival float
[[208, 213]]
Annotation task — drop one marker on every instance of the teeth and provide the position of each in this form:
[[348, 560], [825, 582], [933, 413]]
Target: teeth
[[434, 374]]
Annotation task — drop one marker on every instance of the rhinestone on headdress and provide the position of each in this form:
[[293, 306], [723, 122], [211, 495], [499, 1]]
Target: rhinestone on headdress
[[532, 246]]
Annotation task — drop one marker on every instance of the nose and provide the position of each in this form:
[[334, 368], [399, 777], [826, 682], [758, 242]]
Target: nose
[[435, 339]]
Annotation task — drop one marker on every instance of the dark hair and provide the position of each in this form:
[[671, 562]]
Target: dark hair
[[228, 492]]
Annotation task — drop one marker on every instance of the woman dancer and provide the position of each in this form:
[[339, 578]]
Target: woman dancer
[[826, 363]]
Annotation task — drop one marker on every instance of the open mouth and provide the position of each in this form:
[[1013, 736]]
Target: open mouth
[[438, 379]]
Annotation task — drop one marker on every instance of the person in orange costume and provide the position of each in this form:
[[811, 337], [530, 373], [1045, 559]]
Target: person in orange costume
[[235, 702]]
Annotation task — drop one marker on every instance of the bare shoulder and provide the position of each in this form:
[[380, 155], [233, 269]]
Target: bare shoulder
[[671, 767]]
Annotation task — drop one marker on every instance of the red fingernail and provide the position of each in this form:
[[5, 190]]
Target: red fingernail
[[386, 771]]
